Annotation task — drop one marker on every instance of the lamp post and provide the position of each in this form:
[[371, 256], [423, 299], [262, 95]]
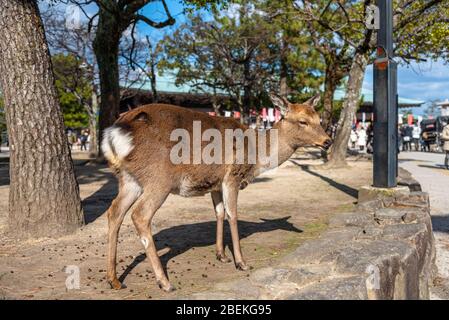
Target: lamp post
[[385, 156]]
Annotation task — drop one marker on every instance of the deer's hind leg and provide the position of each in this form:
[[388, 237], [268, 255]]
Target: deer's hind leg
[[129, 192], [217, 200], [143, 213]]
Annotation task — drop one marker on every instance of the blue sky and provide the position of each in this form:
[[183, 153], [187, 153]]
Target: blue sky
[[425, 81]]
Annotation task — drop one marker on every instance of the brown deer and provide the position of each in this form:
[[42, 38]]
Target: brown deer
[[138, 147]]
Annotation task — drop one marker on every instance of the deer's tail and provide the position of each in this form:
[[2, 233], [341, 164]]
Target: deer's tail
[[116, 145]]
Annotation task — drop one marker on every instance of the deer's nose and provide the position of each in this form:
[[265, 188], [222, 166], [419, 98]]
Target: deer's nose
[[327, 144]]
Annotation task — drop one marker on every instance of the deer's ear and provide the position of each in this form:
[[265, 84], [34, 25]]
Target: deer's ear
[[280, 103], [313, 102]]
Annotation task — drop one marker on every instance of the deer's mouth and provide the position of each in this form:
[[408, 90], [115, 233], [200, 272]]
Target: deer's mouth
[[325, 145]]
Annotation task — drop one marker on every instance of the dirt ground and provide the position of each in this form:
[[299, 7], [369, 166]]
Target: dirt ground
[[279, 211]]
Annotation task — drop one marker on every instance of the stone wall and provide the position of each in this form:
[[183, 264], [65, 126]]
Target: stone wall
[[383, 250]]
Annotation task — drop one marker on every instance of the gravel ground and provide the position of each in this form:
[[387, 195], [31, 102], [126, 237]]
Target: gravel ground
[[278, 212]]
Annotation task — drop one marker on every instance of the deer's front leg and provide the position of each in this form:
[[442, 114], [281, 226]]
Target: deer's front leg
[[217, 200], [230, 195]]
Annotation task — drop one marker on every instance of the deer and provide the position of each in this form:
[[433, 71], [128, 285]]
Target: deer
[[137, 147]]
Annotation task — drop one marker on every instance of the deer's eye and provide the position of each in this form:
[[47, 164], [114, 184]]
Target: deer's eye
[[303, 123]]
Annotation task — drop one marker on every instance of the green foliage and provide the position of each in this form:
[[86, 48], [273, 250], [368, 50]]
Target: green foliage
[[423, 31], [244, 52], [73, 89]]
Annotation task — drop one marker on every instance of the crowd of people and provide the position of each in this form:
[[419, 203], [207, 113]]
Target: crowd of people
[[361, 138], [78, 140], [410, 138]]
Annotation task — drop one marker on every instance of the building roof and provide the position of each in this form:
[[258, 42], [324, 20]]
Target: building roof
[[167, 84], [444, 103], [368, 98]]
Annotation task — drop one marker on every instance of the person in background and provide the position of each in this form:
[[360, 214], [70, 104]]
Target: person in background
[[361, 138], [370, 141], [353, 138], [83, 139], [425, 142], [407, 133], [445, 138], [400, 141], [416, 134]]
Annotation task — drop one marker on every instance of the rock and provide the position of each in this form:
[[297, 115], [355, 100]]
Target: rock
[[351, 219], [269, 276], [414, 199], [347, 288], [313, 251], [392, 264], [368, 193], [305, 275], [384, 250], [406, 179], [389, 216], [239, 288]]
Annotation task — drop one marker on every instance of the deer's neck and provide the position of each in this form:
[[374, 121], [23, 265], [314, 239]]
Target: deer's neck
[[278, 140]]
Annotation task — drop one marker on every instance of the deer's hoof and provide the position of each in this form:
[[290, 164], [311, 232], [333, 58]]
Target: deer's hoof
[[116, 285], [167, 287], [223, 258], [243, 266]]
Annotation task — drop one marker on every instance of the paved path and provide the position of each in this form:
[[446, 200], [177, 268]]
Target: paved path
[[427, 168]]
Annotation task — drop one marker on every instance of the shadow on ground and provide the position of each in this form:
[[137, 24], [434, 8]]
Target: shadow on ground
[[182, 238], [440, 223], [97, 203], [342, 187], [438, 166]]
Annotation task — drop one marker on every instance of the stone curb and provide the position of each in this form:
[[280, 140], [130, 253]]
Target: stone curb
[[383, 250]]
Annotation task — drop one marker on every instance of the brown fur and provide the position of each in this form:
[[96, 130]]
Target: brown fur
[[148, 165]]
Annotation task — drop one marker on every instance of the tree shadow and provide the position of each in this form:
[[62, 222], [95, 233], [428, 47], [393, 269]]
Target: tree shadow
[[411, 160], [4, 174], [261, 179], [440, 223], [437, 166], [97, 203], [187, 236], [342, 187]]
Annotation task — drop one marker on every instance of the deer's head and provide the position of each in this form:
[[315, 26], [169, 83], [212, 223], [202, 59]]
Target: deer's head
[[301, 122]]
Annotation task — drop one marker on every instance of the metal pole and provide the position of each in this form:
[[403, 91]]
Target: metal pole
[[385, 103]]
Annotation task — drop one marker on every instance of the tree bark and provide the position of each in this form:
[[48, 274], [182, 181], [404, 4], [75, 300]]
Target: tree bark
[[337, 155], [330, 85], [93, 124], [247, 90], [44, 195], [106, 48], [283, 83]]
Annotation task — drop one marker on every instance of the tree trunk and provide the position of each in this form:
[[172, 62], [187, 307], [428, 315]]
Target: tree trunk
[[153, 81], [283, 83], [337, 155], [106, 48], [247, 91], [330, 85], [44, 196], [93, 125]]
